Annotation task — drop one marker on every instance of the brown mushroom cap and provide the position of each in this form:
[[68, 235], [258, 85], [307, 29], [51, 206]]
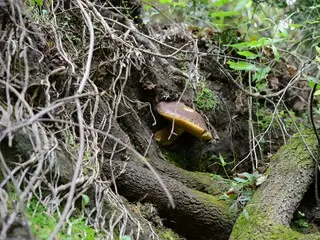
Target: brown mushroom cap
[[185, 117]]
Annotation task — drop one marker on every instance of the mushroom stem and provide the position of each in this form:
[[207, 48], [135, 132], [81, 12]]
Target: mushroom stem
[[164, 136]]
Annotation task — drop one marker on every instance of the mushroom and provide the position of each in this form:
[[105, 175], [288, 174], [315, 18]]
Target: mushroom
[[182, 117], [164, 136]]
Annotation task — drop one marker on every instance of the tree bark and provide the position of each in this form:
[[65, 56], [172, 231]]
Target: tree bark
[[196, 215]]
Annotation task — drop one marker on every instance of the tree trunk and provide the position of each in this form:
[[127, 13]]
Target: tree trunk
[[273, 204], [196, 215]]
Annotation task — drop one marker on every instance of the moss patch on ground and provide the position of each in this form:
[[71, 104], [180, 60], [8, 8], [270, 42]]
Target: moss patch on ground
[[43, 223], [167, 234], [259, 227]]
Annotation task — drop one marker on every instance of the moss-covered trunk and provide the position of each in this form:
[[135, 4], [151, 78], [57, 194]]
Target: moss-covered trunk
[[196, 215], [272, 206]]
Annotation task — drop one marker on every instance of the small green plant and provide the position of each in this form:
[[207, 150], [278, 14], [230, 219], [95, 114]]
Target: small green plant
[[302, 223], [36, 3], [301, 220], [38, 11], [223, 164], [206, 99], [243, 187], [265, 118], [219, 165]]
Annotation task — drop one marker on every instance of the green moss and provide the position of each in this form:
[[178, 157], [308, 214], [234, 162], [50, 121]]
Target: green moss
[[256, 223], [206, 99], [42, 224], [206, 198], [259, 228], [298, 147], [167, 234], [214, 187], [181, 160], [174, 158]]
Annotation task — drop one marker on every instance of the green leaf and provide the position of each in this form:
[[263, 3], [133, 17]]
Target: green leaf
[[224, 14], [261, 74], [165, 1], [243, 4], [39, 2], [312, 22], [241, 65], [311, 81], [295, 26], [248, 54], [248, 175], [276, 53], [314, 7], [181, 4], [252, 44], [317, 93], [245, 214], [147, 7], [222, 161], [240, 180], [85, 199], [318, 49], [241, 46], [125, 237], [284, 32], [261, 85], [262, 42], [36, 3], [220, 3]]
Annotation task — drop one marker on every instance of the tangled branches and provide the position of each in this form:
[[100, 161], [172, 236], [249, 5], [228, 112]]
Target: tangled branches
[[50, 109], [78, 80]]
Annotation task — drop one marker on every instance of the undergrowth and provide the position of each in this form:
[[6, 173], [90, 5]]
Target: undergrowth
[[242, 189], [43, 223]]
